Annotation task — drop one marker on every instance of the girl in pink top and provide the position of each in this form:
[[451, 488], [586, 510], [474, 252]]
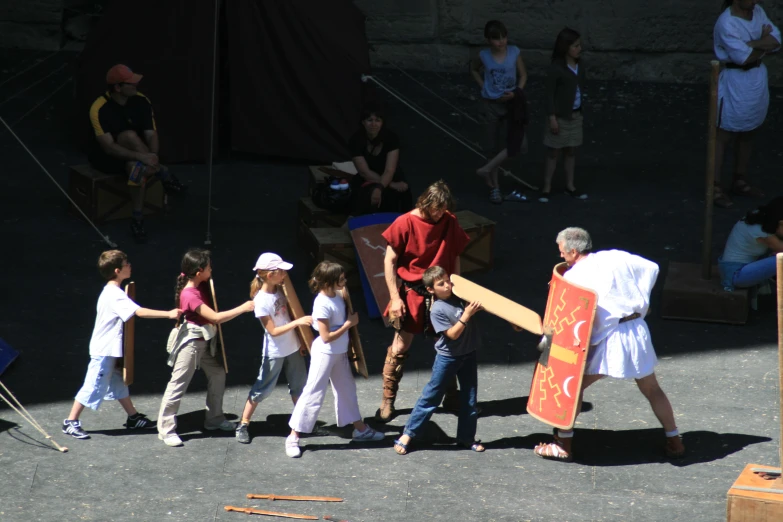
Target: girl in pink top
[[193, 296]]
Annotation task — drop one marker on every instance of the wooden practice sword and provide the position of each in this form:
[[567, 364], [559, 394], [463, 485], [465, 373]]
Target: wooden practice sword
[[295, 497], [250, 511]]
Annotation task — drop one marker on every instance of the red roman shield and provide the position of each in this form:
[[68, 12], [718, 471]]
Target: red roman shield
[[554, 392]]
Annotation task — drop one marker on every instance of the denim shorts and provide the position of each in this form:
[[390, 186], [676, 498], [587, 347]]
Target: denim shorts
[[103, 382], [295, 373]]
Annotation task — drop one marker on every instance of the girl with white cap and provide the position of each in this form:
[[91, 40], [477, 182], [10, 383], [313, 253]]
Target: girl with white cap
[[281, 350]]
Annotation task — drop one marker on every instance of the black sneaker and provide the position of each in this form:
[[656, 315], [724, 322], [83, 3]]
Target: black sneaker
[[74, 429], [137, 229], [242, 435], [139, 421], [173, 185]]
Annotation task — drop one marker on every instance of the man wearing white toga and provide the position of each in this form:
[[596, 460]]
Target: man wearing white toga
[[743, 35], [620, 344]]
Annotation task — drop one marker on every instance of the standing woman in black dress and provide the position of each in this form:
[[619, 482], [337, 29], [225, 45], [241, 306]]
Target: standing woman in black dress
[[380, 185]]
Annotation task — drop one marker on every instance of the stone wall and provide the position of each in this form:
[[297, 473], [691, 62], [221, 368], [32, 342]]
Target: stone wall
[[645, 40], [31, 24]]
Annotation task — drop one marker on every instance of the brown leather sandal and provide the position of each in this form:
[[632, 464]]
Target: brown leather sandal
[[674, 449]]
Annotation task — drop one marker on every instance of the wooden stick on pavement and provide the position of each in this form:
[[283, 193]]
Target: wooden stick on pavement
[[249, 511], [295, 497]]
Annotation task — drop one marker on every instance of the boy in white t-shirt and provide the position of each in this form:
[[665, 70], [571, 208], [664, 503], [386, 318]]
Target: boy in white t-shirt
[[281, 350], [104, 380]]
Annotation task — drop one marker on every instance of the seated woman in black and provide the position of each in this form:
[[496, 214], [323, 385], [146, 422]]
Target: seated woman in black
[[380, 185]]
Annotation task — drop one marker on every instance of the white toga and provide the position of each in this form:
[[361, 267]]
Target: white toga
[[743, 96], [623, 283]]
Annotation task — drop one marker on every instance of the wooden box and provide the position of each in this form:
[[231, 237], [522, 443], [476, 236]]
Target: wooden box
[[747, 500], [688, 297], [311, 216], [479, 255], [103, 197], [333, 244]]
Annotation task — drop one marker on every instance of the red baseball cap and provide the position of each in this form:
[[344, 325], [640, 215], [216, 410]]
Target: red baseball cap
[[122, 74]]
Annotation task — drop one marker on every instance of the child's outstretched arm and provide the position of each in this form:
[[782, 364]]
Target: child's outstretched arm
[[221, 317], [147, 313], [274, 331]]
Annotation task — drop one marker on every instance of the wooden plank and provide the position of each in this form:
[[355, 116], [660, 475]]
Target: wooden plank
[[303, 332], [219, 326], [498, 305], [355, 351], [129, 340], [754, 506]]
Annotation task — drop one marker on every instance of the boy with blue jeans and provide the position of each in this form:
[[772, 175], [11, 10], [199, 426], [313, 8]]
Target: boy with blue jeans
[[458, 340], [104, 380]]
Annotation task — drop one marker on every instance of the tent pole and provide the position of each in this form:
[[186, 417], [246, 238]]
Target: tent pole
[[208, 240]]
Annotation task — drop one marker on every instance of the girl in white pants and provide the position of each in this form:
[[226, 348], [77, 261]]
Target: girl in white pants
[[329, 362]]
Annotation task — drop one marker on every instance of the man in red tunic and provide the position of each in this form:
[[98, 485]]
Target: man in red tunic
[[426, 236]]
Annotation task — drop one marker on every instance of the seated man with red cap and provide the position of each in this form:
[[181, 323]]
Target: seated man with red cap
[[126, 140]]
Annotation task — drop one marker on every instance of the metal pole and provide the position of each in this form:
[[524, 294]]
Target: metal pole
[[779, 260], [208, 240], [712, 131]]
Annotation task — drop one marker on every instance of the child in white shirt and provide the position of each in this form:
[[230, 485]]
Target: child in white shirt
[[329, 362], [104, 379], [282, 350]]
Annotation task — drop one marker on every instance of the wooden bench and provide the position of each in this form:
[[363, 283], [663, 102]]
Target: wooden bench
[[104, 197]]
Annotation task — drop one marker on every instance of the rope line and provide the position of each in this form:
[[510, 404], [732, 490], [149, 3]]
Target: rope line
[[31, 67], [63, 66], [65, 193], [445, 129], [409, 75], [28, 417], [25, 115]]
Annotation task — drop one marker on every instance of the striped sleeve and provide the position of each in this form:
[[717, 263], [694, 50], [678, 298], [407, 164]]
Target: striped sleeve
[[149, 123], [95, 116]]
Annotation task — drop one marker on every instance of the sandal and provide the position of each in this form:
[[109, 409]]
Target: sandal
[[740, 187], [473, 446], [720, 199], [674, 449], [400, 448], [553, 450]]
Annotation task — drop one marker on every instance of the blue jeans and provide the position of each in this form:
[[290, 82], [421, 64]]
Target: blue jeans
[[443, 371], [737, 275]]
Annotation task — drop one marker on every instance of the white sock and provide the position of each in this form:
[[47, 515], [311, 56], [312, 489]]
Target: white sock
[[673, 433], [565, 434]]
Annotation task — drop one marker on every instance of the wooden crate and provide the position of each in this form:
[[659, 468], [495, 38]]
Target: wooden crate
[[754, 504], [103, 197], [333, 244], [479, 255], [311, 216]]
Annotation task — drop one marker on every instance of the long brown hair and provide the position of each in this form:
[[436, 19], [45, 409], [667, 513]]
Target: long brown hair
[[437, 196], [326, 275], [258, 281], [565, 39], [194, 260]]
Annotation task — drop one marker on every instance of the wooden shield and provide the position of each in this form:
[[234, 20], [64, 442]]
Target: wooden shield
[[128, 339], [498, 305], [355, 352], [304, 333], [219, 327], [366, 233], [554, 392]]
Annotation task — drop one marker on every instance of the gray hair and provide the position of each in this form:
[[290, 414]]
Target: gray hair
[[575, 238]]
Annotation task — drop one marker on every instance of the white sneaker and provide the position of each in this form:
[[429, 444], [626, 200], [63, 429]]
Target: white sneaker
[[368, 435], [226, 425], [172, 440], [292, 447]]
